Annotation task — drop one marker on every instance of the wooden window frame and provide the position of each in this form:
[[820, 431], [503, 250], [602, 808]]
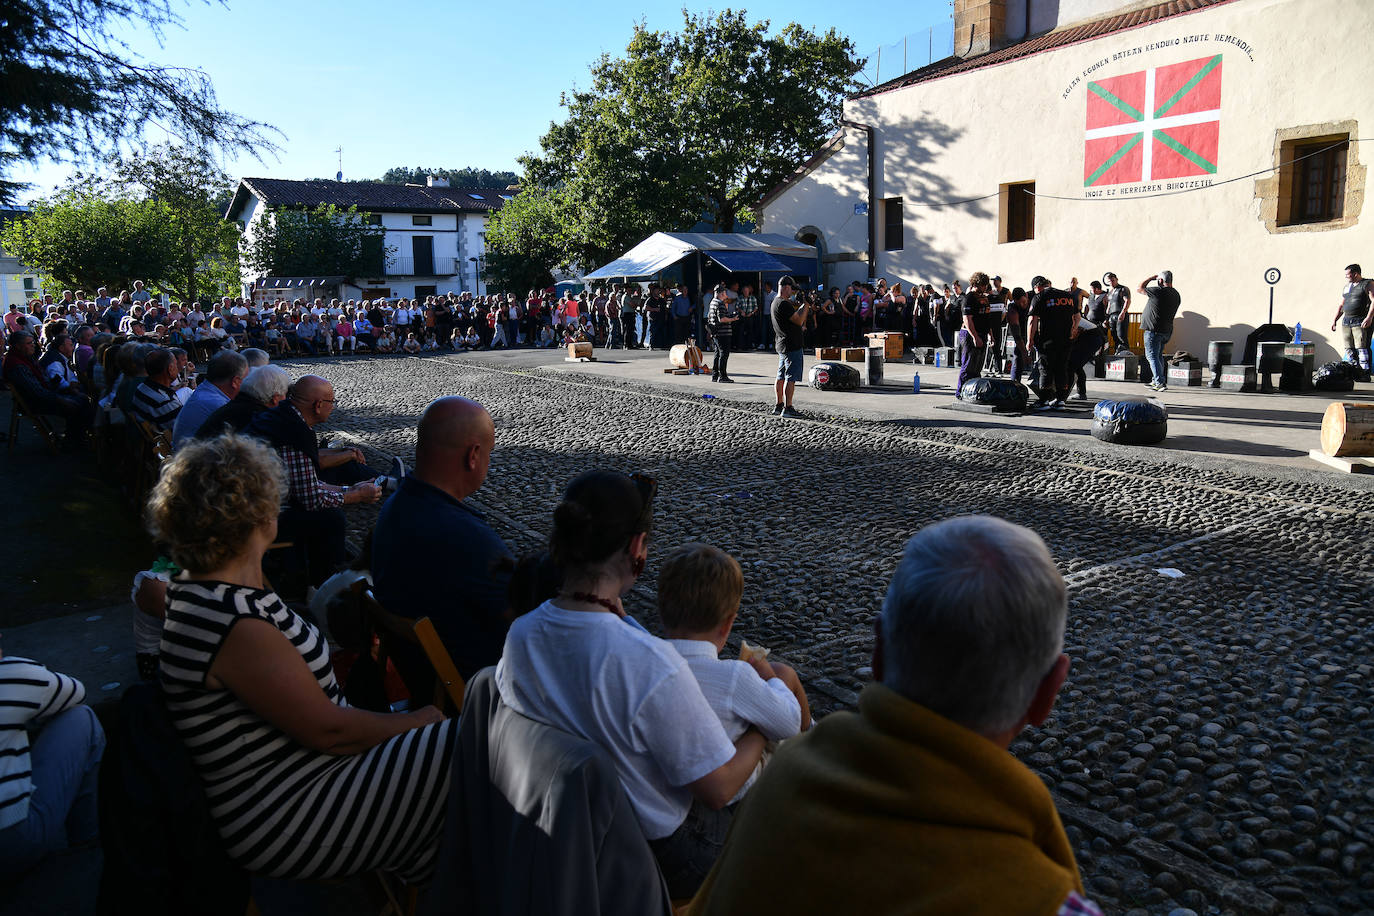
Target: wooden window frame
[[894, 231], [1016, 212]]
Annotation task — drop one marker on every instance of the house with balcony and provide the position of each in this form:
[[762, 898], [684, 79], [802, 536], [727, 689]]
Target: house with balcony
[[434, 235]]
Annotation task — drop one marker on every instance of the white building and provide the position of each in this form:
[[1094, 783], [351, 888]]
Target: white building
[[18, 283], [1214, 138], [436, 234]]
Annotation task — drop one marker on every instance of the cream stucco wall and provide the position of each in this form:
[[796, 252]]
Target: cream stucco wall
[[964, 135]]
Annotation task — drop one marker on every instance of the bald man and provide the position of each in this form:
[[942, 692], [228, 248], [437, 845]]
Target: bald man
[[320, 481], [433, 554]]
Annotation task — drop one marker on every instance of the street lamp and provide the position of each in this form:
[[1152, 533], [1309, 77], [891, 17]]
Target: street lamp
[[477, 271]]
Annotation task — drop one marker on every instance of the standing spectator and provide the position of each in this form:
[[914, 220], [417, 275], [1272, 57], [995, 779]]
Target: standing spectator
[[1118, 313], [1157, 321], [453, 573], [682, 314], [223, 376], [723, 317], [1053, 327], [1355, 316], [140, 295], [50, 750], [1017, 315], [788, 320], [973, 336], [911, 803]]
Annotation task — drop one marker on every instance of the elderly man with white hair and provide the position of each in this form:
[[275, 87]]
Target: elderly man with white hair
[[262, 388], [913, 803]]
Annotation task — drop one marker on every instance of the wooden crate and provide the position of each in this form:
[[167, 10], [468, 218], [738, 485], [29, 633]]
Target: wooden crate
[[828, 353], [855, 354], [893, 343]]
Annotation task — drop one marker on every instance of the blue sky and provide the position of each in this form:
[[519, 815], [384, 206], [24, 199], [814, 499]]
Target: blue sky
[[424, 83]]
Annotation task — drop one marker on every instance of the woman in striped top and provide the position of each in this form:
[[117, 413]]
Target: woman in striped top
[[300, 784], [47, 785]]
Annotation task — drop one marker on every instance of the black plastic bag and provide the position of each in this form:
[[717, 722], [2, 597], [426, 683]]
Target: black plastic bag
[[1335, 377], [1130, 421], [1001, 393]]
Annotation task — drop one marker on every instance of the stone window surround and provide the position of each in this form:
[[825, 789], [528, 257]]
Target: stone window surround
[[1275, 190]]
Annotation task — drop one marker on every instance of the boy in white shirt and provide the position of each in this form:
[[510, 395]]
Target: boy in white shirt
[[699, 588]]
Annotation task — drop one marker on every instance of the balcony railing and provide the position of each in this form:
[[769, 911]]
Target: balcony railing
[[432, 267]]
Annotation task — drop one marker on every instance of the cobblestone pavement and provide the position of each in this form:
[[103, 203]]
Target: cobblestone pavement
[[1212, 748]]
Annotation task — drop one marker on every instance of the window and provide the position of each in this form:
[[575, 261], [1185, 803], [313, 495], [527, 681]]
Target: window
[[29, 284], [477, 197], [373, 219], [418, 220], [892, 224], [1318, 180], [1016, 212]]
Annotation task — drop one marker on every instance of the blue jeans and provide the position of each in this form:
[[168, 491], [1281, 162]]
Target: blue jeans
[[65, 757], [1154, 355]]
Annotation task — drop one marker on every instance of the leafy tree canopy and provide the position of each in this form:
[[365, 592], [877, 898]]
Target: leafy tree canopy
[[527, 237], [458, 178], [326, 241], [68, 87], [705, 120]]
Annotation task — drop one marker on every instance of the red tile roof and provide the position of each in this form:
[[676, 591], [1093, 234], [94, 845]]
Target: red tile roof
[[1086, 31]]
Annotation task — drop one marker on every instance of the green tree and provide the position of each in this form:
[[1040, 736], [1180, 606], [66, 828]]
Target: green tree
[[528, 237], [325, 241], [190, 187], [69, 86], [83, 240], [458, 178], [702, 121]]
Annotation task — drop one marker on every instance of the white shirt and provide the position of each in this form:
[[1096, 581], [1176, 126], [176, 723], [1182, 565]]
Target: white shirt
[[239, 311], [607, 680], [740, 698]]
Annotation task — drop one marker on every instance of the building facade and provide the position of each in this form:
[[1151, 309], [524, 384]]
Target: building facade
[[18, 282], [1225, 140], [435, 235]]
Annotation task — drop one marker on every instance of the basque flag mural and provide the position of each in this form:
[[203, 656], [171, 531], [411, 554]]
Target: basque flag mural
[[1154, 125]]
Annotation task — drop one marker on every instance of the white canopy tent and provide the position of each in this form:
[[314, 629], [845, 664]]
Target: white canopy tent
[[734, 251]]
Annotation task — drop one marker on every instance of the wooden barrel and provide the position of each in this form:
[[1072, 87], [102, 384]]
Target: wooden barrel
[[1348, 430], [685, 356], [579, 349]]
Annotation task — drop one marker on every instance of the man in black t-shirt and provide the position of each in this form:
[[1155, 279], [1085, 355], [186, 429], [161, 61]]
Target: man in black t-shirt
[[998, 297], [789, 323], [1053, 326], [1118, 312], [973, 336], [1157, 321], [1355, 316]]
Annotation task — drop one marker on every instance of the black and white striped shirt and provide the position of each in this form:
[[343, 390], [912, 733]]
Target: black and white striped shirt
[[29, 695], [285, 810], [156, 404]]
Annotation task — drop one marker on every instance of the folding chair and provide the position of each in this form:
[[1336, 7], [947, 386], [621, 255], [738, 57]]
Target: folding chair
[[448, 686], [18, 406]]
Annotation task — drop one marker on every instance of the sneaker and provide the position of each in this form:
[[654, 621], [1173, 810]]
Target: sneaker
[[726, 380], [1057, 404], [778, 409], [1043, 404], [715, 378], [398, 469], [789, 413]]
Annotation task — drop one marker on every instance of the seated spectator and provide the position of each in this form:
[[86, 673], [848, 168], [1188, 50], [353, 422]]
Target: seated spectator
[[298, 784], [255, 335], [154, 400], [344, 337], [306, 331], [313, 517], [411, 345], [149, 596], [263, 387], [386, 341], [579, 664], [463, 591], [85, 351], [431, 341], [57, 367], [255, 357], [223, 376], [29, 380], [363, 331], [50, 749], [699, 588], [912, 803]]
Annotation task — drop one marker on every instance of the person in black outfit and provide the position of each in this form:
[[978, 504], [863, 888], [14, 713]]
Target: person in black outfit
[[1053, 327], [973, 336], [1017, 314], [997, 307], [722, 317]]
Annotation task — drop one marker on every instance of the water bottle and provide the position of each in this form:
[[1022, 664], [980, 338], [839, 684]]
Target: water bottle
[[1297, 337], [916, 383]]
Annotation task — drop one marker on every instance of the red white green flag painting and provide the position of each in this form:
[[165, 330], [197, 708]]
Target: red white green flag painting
[[1154, 125]]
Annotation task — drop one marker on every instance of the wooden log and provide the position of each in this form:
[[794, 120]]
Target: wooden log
[[685, 356], [580, 349], [1348, 430]]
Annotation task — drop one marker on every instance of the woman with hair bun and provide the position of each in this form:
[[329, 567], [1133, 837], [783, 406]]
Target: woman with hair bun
[[299, 784], [579, 664]]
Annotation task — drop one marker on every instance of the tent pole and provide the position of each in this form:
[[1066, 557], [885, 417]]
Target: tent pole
[[701, 294]]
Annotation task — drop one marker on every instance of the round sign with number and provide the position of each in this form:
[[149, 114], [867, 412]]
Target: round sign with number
[[1272, 275]]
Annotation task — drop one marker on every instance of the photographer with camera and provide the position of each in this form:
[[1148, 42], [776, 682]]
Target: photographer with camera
[[789, 323]]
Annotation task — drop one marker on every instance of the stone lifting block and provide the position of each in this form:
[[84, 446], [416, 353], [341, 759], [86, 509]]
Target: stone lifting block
[[944, 356], [1124, 367], [855, 354], [1185, 374], [1299, 362], [1237, 378]]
